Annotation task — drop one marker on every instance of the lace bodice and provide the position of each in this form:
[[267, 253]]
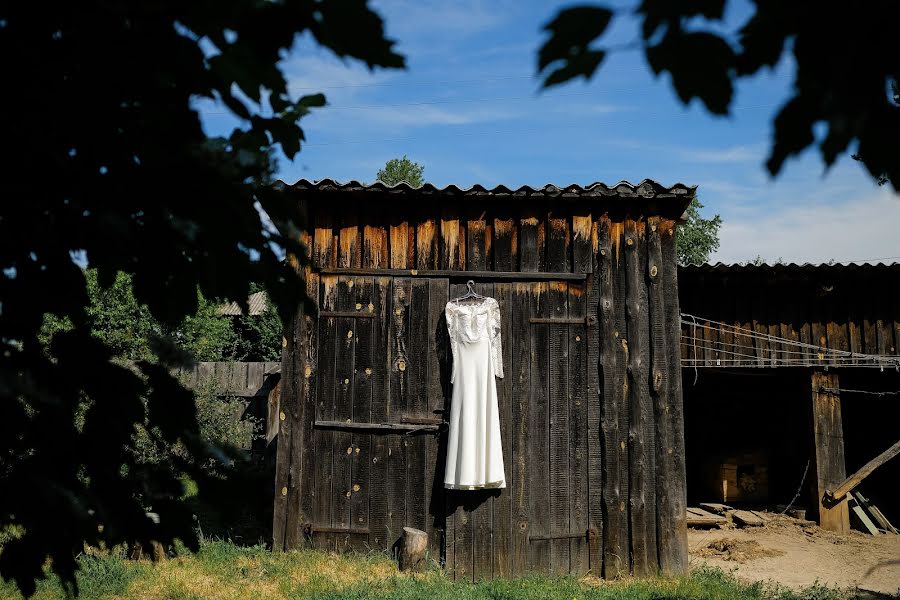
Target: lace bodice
[[471, 322]]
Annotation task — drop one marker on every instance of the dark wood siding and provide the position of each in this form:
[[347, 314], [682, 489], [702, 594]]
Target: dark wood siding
[[589, 381]]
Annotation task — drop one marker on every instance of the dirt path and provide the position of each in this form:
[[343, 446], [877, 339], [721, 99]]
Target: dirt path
[[797, 555]]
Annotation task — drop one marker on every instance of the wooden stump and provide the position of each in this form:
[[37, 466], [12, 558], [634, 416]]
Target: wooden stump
[[412, 550]]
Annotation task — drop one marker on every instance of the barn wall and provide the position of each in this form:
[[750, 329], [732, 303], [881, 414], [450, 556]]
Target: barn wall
[[590, 405]]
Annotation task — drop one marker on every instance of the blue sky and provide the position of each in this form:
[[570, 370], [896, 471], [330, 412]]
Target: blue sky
[[470, 109]]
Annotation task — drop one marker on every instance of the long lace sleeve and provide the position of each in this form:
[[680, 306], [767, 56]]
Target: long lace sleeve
[[496, 345], [451, 330]]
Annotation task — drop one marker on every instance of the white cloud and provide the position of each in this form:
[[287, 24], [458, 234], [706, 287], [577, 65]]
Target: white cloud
[[734, 154], [808, 230]]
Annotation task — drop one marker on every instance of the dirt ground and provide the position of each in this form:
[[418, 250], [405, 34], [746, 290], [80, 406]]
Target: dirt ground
[[795, 554]]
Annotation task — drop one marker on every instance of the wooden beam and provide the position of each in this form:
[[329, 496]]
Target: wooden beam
[[457, 274], [388, 427], [851, 482], [828, 451]]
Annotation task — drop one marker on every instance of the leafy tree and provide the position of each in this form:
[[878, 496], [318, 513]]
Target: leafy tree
[[107, 160], [697, 238], [846, 62], [258, 336], [402, 169]]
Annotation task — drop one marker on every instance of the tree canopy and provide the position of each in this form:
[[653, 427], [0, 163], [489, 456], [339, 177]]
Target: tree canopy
[[697, 238], [108, 164], [847, 67], [402, 169]]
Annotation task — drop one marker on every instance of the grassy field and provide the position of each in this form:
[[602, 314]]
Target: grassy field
[[225, 571]]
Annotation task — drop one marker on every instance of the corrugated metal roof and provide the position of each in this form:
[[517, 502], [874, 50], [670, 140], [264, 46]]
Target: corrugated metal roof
[[739, 268], [645, 189], [258, 303]]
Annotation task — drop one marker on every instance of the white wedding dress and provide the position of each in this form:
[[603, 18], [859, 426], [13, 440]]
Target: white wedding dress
[[474, 453]]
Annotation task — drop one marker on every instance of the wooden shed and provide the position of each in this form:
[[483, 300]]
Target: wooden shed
[[792, 374], [590, 406]]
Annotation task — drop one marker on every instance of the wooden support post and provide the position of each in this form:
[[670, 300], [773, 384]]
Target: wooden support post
[[828, 448]]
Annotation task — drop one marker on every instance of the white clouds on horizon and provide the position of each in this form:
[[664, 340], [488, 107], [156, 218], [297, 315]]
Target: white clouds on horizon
[[860, 228]]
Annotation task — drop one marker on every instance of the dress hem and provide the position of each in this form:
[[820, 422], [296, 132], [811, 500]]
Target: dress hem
[[491, 485]]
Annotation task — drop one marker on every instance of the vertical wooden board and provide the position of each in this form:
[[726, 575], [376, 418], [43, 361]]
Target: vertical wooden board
[[519, 482], [676, 483], [829, 450], [760, 326], [886, 344], [532, 242], [399, 245], [345, 339], [559, 434], [438, 401], [596, 393], [817, 329], [426, 243], [642, 487], [870, 324], [283, 466], [379, 531], [577, 400], [477, 244], [324, 451], [539, 433], [504, 244], [582, 243], [295, 412], [614, 414], [324, 251], [396, 462], [417, 405], [559, 256], [659, 391], [375, 246], [745, 340], [361, 443], [483, 505], [310, 373], [854, 317], [349, 251], [453, 240], [502, 520]]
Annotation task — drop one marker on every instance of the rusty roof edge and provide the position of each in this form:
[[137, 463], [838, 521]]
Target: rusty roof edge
[[647, 188]]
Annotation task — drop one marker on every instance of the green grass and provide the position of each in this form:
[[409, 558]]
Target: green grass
[[226, 571]]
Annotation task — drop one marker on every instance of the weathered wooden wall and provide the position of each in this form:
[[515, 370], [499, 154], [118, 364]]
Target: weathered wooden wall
[[845, 308], [590, 405]]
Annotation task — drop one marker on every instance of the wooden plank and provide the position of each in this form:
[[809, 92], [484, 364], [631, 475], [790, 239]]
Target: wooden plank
[[396, 461], [476, 249], [324, 252], [595, 337], [577, 401], [457, 274], [642, 451], [483, 500], [378, 428], [438, 394], [854, 480], [426, 244], [309, 371], [399, 245], [505, 244], [502, 516], [582, 243], [381, 374], [285, 437], [667, 539], [375, 246], [539, 434], [361, 442], [873, 510], [861, 518], [676, 484], [828, 451], [559, 253], [747, 518], [560, 492], [453, 240], [613, 356], [519, 349], [417, 405], [349, 251], [345, 339], [714, 507], [324, 451], [532, 243]]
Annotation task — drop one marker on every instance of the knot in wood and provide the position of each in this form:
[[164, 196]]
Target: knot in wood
[[653, 271]]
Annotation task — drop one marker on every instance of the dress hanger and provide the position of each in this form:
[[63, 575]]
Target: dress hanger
[[471, 293]]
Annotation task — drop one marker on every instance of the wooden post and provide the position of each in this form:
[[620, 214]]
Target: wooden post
[[828, 448], [412, 552]]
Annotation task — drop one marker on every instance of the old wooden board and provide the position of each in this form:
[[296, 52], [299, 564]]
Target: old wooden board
[[503, 508], [747, 518], [396, 463], [559, 429], [482, 500], [577, 401], [828, 440], [519, 481], [719, 509], [860, 518], [697, 517], [361, 443], [381, 370], [538, 458]]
